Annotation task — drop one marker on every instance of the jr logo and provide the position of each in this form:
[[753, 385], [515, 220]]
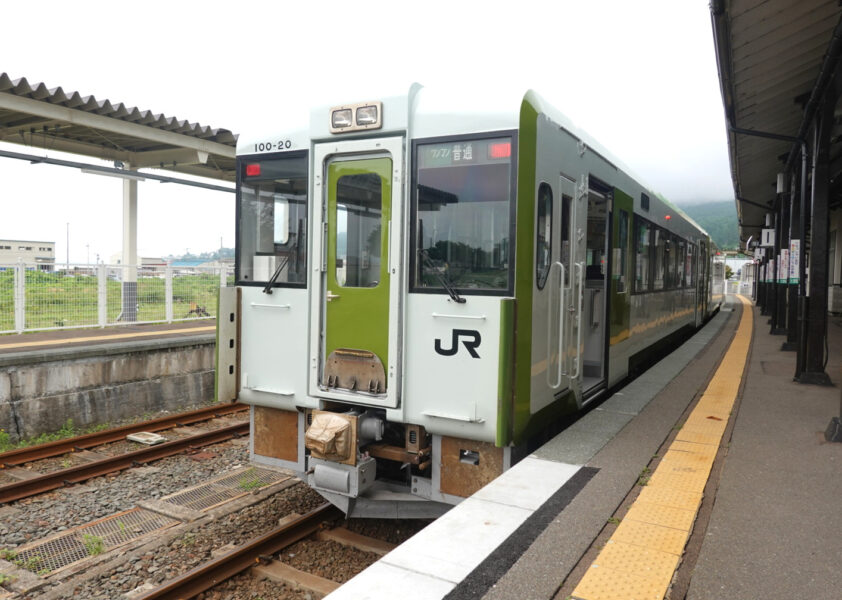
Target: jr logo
[[470, 344]]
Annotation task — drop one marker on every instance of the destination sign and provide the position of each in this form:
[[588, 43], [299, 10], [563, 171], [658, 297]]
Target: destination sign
[[466, 152]]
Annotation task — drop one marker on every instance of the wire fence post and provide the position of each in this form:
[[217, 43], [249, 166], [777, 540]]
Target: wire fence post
[[168, 292], [20, 297], [102, 295]]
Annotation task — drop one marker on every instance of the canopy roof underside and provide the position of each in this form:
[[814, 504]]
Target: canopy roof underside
[[47, 119], [770, 54]]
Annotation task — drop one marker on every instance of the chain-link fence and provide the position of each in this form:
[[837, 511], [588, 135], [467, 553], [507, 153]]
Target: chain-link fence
[[36, 297]]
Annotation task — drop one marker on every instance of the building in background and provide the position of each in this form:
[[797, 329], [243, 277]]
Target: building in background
[[30, 252]]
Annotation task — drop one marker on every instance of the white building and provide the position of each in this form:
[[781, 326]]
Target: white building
[[30, 252]]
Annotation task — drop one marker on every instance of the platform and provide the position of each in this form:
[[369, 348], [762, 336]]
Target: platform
[[761, 522], [60, 344]]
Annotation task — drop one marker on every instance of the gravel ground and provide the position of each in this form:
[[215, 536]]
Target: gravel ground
[[330, 560], [196, 547], [39, 516], [394, 531]]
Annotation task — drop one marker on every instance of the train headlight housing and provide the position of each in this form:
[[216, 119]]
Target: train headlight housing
[[342, 118], [367, 115], [356, 117]]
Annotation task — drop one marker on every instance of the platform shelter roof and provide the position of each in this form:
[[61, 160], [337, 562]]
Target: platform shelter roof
[[773, 58], [44, 118]]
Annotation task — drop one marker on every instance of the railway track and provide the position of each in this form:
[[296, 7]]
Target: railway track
[[83, 442], [210, 574], [38, 484]]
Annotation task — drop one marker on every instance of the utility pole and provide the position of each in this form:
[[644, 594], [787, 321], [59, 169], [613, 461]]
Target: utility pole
[[68, 247]]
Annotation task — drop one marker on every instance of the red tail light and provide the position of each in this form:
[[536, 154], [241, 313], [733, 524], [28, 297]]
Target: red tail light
[[500, 150]]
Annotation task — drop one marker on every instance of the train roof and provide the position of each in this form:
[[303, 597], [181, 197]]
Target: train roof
[[434, 112]]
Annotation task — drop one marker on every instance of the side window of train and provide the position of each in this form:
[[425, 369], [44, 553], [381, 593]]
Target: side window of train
[[689, 264], [544, 235], [660, 247], [643, 244], [679, 263]]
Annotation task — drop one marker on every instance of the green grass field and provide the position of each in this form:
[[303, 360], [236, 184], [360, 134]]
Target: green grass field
[[58, 300]]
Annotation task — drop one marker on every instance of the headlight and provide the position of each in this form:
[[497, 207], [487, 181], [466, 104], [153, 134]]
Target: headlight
[[367, 115], [341, 118], [356, 117]]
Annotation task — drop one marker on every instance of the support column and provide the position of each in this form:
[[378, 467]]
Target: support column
[[129, 305], [791, 343], [806, 197], [819, 233], [761, 281], [772, 271], [782, 264]]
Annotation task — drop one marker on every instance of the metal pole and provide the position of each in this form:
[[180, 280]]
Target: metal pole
[[802, 269], [814, 365]]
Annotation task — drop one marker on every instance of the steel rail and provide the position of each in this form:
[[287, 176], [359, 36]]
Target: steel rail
[[214, 572], [59, 447], [57, 479]]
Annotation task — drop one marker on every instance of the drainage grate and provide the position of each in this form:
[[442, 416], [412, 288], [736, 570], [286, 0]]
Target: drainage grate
[[226, 488], [89, 540], [203, 497], [250, 479]]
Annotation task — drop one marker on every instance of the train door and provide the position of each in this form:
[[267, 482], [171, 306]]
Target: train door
[[354, 339], [595, 289], [551, 335]]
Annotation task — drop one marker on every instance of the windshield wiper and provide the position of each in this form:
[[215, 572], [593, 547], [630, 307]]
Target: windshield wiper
[[454, 295], [274, 278]]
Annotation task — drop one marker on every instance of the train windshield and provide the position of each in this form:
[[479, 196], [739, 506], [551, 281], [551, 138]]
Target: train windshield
[[272, 220], [462, 209]]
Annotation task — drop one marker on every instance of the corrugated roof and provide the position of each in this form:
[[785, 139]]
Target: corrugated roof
[[52, 119], [769, 53]]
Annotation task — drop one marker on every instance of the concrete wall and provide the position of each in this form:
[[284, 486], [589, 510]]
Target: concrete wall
[[40, 391]]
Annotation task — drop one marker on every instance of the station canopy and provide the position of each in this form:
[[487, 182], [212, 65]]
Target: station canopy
[[772, 57], [45, 119]]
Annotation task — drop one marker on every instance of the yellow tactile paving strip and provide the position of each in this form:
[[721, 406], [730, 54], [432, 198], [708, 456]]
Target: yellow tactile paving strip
[[100, 338], [639, 560]]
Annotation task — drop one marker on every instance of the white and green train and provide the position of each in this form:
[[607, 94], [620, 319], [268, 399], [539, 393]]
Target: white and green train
[[424, 285]]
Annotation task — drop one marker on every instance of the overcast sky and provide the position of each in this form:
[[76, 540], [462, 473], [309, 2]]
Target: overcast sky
[[640, 77]]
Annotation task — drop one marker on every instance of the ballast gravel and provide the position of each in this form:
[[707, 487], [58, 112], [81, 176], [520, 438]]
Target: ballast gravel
[[197, 546], [39, 516]]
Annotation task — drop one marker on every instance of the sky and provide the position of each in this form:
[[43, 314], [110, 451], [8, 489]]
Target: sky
[[639, 77]]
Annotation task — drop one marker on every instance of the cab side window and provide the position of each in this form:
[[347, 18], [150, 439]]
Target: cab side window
[[543, 235]]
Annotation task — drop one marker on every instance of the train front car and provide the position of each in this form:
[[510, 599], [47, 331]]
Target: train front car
[[426, 285], [375, 266]]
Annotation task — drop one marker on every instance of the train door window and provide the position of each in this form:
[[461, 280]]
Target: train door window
[[643, 237], [660, 245], [621, 250], [597, 216], [689, 263], [544, 235], [680, 255], [272, 220], [358, 239], [565, 236]]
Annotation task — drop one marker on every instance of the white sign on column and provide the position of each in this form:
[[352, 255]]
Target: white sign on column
[[794, 260], [783, 271]]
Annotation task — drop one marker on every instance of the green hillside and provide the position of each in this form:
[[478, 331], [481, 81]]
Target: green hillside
[[719, 219]]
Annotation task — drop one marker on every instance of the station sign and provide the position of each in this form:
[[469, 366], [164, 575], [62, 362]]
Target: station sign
[[768, 237]]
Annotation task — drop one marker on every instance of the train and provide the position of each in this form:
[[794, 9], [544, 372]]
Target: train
[[426, 280]]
